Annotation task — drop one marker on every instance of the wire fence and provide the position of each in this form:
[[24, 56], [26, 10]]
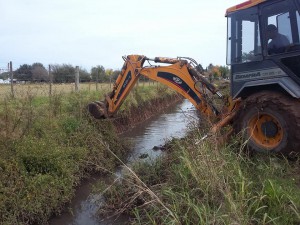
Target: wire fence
[[14, 88], [21, 90]]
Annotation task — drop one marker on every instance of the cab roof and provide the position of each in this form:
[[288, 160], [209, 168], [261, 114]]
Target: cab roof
[[243, 5]]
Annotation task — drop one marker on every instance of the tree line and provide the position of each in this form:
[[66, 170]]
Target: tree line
[[216, 72], [61, 73], [64, 73]]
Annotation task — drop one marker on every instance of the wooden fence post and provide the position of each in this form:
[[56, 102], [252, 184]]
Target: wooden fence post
[[50, 81], [77, 79], [97, 79], [11, 80]]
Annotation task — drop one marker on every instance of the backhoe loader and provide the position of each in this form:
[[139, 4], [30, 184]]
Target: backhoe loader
[[265, 77]]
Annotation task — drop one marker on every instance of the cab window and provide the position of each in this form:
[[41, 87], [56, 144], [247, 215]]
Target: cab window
[[281, 21], [243, 39]]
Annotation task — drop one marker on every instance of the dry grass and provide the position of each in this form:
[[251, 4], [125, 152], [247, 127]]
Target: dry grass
[[206, 184], [43, 89]]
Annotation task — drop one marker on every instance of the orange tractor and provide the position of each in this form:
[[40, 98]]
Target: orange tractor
[[263, 49]]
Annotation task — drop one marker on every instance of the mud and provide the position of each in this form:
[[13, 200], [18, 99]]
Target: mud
[[137, 115]]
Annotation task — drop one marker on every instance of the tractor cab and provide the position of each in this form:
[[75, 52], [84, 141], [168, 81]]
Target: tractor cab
[[263, 46]]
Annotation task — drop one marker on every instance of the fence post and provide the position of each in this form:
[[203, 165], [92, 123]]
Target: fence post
[[77, 79], [97, 79], [11, 80], [50, 81]]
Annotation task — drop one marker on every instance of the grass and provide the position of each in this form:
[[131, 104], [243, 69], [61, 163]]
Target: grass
[[44, 155], [198, 182], [43, 89], [141, 95], [47, 145]]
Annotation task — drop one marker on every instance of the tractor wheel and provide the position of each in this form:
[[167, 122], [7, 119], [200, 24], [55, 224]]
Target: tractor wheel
[[270, 121]]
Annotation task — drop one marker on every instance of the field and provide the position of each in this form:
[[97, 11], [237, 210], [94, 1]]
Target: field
[[43, 89]]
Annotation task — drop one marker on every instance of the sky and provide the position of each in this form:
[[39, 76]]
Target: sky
[[88, 33]]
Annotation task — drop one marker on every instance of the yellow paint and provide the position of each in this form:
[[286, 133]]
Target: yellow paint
[[244, 5]]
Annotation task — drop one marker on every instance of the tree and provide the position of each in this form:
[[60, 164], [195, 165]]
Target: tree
[[98, 74], [39, 72], [213, 71], [4, 75], [210, 67], [109, 73], [84, 75], [200, 68], [64, 73], [115, 74], [224, 70], [24, 72], [216, 72]]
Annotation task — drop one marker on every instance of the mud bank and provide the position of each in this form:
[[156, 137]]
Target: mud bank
[[124, 122]]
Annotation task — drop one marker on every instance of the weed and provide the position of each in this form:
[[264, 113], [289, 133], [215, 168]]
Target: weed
[[47, 145], [206, 184]]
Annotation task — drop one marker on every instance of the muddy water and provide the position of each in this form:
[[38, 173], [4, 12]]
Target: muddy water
[[146, 139]]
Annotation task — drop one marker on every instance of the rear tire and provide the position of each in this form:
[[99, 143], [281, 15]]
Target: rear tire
[[270, 121]]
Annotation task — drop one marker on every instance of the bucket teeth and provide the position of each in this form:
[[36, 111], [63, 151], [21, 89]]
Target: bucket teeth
[[98, 109]]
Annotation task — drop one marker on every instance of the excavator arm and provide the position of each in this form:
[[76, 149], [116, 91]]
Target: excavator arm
[[182, 75]]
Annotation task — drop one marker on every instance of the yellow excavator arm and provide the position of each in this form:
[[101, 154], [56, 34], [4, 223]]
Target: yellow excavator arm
[[182, 75]]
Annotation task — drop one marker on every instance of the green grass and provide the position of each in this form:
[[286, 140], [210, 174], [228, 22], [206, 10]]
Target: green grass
[[200, 183], [142, 95], [46, 149], [47, 145]]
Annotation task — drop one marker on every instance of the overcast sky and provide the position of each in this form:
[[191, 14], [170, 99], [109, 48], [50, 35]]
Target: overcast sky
[[97, 32]]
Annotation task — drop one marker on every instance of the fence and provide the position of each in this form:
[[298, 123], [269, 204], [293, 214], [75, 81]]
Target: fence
[[12, 88]]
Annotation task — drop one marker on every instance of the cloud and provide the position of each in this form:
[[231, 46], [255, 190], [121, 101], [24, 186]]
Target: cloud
[[91, 31]]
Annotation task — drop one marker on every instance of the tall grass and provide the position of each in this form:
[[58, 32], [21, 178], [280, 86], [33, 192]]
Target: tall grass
[[47, 145], [200, 183], [43, 89]]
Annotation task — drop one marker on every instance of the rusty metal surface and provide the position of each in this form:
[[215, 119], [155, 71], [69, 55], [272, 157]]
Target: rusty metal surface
[[166, 60]]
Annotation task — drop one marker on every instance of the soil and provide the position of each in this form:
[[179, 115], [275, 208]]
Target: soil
[[137, 115]]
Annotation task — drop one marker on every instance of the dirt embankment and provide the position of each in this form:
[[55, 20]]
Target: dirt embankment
[[124, 122]]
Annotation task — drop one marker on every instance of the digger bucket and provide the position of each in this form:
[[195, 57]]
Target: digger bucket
[[98, 109]]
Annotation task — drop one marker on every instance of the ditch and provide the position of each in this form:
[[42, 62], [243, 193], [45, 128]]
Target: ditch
[[147, 140]]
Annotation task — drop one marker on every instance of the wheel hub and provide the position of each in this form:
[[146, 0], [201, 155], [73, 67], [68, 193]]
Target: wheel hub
[[269, 128], [266, 130]]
